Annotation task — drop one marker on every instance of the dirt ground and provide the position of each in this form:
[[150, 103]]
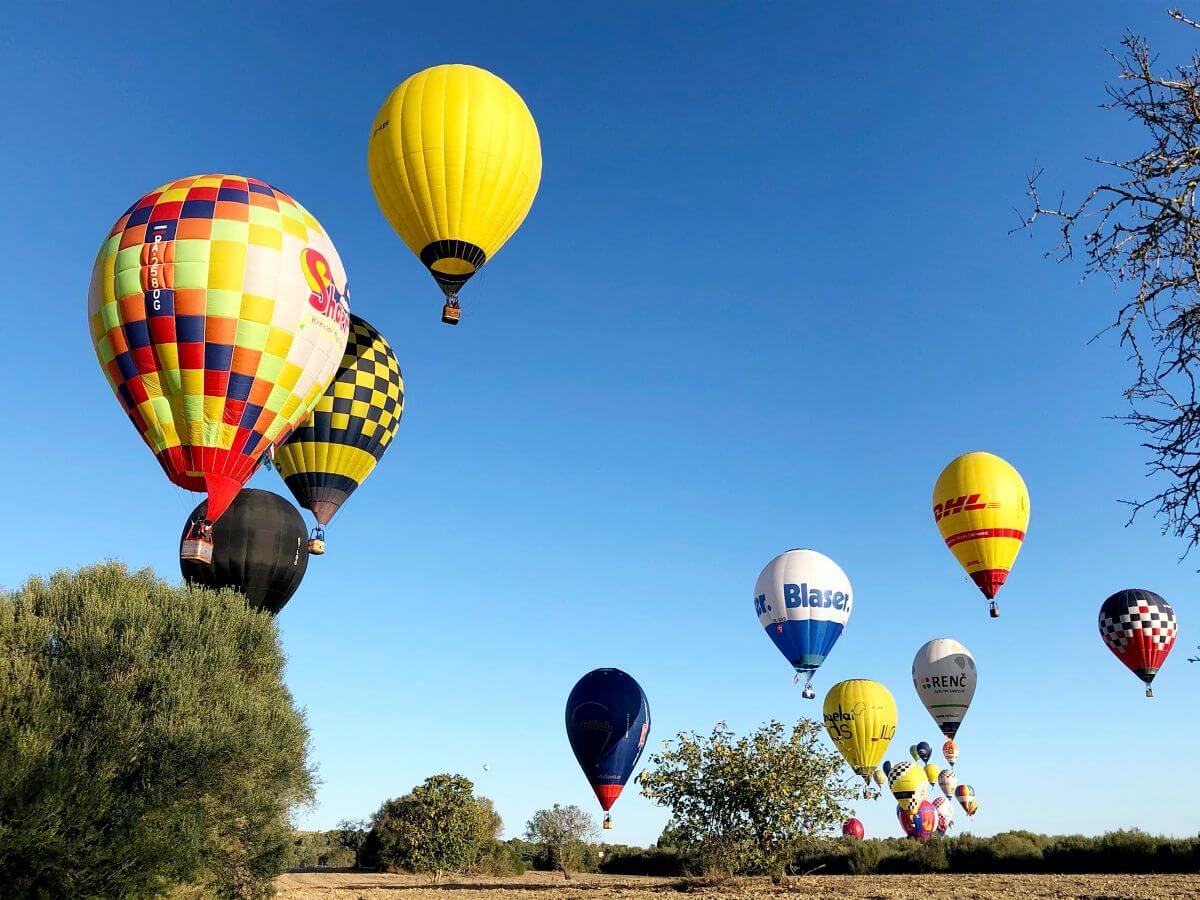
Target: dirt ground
[[544, 886]]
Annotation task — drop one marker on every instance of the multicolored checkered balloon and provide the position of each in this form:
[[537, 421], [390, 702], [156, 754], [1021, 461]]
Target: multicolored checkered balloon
[[350, 428], [219, 312], [1139, 627]]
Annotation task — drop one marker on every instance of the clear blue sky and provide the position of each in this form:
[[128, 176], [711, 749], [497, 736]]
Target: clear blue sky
[[765, 293]]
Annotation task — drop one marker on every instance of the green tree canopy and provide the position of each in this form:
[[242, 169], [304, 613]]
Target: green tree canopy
[[562, 832], [440, 827], [745, 804], [146, 739]]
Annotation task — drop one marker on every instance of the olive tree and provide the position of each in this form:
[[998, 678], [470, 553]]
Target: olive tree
[[439, 827], [748, 804], [147, 739], [562, 833]]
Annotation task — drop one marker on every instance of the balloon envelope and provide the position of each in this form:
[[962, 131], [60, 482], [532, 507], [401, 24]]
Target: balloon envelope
[[907, 780], [965, 794], [950, 751], [860, 716], [919, 823], [945, 814], [803, 601], [455, 161], [947, 781], [853, 828], [260, 549], [1139, 628], [608, 720], [218, 309], [332, 453], [981, 507], [943, 673]]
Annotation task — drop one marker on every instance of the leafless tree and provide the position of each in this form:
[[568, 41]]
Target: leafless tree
[[1140, 227]]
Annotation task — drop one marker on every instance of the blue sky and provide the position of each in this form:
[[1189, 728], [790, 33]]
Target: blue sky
[[765, 293]]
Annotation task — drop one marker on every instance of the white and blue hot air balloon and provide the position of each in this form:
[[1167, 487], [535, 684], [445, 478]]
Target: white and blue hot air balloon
[[803, 600]]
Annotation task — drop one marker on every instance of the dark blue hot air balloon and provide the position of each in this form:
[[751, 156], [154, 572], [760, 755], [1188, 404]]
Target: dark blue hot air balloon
[[608, 720]]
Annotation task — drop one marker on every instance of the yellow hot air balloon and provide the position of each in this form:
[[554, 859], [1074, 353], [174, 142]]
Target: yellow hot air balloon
[[981, 507], [455, 160], [860, 716], [907, 781], [931, 773]]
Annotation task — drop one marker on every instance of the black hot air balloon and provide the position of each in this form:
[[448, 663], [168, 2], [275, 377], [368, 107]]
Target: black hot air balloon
[[260, 548]]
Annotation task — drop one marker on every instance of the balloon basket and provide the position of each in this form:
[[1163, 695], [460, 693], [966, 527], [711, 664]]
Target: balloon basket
[[197, 550], [316, 547], [451, 315], [1149, 692], [607, 823], [993, 610], [808, 693]]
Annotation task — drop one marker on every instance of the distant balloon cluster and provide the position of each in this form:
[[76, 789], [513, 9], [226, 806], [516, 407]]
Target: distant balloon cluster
[[219, 309]]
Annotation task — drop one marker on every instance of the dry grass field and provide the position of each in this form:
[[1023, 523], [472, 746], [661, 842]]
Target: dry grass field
[[543, 886]]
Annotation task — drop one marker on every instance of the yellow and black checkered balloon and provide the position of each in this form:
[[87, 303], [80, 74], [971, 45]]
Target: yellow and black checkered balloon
[[353, 423]]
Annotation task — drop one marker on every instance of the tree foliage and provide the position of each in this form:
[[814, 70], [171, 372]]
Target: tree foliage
[[146, 739], [439, 827], [562, 833], [1141, 229], [746, 804]]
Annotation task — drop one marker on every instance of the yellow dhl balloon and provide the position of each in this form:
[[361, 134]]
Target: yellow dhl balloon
[[860, 716], [981, 507], [455, 161]]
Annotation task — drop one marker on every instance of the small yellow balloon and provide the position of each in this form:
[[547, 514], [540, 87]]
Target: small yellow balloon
[[455, 161], [860, 716], [981, 507], [931, 773]]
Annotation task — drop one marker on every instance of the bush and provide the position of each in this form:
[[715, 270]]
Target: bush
[[440, 827], [499, 858], [146, 739], [662, 861]]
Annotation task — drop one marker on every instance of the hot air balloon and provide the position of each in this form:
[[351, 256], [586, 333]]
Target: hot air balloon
[[1139, 628], [803, 600], [860, 716], [912, 751], [950, 751], [853, 829], [219, 309], [943, 673], [981, 508], [259, 549], [455, 161], [946, 781], [608, 720], [965, 794], [352, 425], [919, 823], [931, 773], [886, 767], [945, 814], [907, 781]]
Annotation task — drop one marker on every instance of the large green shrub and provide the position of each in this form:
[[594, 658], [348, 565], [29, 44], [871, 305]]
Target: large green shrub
[[146, 739], [439, 827]]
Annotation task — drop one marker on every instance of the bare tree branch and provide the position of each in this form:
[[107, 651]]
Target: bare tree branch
[[1140, 228]]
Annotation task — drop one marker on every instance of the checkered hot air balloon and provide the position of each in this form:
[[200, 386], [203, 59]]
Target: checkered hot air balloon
[[1139, 628], [354, 422], [219, 310]]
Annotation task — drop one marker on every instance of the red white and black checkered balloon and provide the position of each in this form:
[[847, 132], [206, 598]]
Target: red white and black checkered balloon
[[1139, 627]]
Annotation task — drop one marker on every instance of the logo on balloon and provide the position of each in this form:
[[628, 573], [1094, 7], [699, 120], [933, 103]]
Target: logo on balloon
[[324, 295], [958, 504], [944, 681]]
